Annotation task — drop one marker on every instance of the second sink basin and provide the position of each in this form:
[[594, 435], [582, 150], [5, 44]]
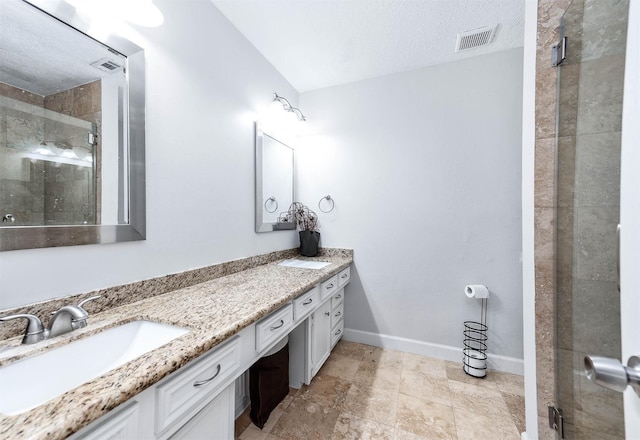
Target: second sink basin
[[304, 264], [32, 381]]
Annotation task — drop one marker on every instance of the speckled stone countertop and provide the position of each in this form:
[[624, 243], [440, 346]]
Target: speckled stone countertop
[[214, 311]]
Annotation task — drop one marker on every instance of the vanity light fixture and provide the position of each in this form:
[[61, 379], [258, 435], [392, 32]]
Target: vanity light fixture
[[60, 153], [286, 105]]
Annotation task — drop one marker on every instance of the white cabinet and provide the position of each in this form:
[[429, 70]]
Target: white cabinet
[[198, 400], [305, 303], [120, 424], [344, 277], [328, 287], [337, 316], [180, 395], [323, 331], [337, 313], [274, 327], [320, 336], [214, 422]]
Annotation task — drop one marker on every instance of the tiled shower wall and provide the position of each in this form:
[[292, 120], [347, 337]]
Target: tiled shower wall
[[586, 165], [46, 192], [83, 207]]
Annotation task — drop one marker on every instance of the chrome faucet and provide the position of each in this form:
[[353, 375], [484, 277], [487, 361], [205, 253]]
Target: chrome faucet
[[65, 320], [34, 332]]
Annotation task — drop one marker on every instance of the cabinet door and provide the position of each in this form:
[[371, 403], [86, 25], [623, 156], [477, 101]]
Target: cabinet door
[[120, 424], [320, 336], [214, 422]]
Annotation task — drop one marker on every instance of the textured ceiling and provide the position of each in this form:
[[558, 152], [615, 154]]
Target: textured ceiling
[[323, 43], [42, 55]]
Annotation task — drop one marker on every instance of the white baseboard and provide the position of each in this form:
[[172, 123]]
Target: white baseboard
[[438, 351]]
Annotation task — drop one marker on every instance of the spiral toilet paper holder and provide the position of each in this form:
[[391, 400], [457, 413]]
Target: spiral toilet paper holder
[[474, 358]]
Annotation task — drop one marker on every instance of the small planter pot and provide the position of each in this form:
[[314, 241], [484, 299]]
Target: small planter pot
[[309, 241]]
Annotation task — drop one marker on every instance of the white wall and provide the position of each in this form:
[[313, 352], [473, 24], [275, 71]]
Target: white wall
[[425, 170], [205, 85]]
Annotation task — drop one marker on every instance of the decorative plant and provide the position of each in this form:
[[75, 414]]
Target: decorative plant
[[305, 218]]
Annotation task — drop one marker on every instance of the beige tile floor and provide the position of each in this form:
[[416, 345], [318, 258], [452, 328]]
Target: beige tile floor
[[364, 392]]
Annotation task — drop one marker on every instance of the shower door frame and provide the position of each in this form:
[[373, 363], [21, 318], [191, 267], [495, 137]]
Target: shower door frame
[[586, 220]]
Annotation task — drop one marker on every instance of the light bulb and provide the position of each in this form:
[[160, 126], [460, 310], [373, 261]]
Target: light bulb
[[292, 119], [275, 106], [43, 149], [69, 154]]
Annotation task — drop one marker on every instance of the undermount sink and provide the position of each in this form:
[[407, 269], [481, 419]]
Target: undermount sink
[[32, 381], [304, 264]]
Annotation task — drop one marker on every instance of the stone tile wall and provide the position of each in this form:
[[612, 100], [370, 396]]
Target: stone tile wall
[[549, 14], [73, 195]]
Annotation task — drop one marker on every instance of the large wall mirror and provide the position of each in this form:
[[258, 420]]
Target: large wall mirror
[[274, 180], [71, 132]]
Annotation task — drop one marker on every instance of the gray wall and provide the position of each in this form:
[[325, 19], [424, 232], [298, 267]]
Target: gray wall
[[424, 167]]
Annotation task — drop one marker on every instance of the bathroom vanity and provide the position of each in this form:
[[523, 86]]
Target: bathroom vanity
[[186, 388]]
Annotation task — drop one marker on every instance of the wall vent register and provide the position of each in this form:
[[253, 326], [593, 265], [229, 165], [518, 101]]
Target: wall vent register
[[475, 38]]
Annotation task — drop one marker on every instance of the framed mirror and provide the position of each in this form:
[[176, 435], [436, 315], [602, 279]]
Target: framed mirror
[[274, 181], [71, 132]]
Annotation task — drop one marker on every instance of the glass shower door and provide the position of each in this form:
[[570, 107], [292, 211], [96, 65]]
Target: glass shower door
[[590, 91]]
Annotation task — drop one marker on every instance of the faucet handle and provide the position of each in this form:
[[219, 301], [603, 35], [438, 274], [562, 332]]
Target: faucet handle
[[34, 331], [84, 301]]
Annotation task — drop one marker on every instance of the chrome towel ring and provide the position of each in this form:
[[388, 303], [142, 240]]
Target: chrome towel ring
[[271, 201], [329, 202]]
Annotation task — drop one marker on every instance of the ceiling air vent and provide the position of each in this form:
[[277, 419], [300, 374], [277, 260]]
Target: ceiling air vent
[[107, 65], [475, 38]]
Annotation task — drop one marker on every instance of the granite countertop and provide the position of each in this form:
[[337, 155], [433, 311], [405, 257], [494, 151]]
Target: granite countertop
[[214, 311]]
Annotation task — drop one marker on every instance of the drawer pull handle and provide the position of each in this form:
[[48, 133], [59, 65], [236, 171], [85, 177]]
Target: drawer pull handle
[[327, 313], [206, 381], [338, 314], [330, 286], [338, 296], [338, 332], [307, 302], [276, 327], [344, 275]]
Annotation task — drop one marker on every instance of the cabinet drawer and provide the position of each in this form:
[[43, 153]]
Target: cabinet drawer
[[176, 397], [274, 327], [336, 332], [305, 304], [337, 314], [337, 298], [344, 276], [328, 287]]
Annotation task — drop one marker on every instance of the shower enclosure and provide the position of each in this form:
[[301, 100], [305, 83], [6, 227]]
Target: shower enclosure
[[589, 120], [47, 163]]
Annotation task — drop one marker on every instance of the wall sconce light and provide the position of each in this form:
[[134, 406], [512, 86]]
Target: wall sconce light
[[286, 105]]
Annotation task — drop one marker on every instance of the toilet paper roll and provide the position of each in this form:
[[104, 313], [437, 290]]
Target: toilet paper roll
[[476, 291]]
